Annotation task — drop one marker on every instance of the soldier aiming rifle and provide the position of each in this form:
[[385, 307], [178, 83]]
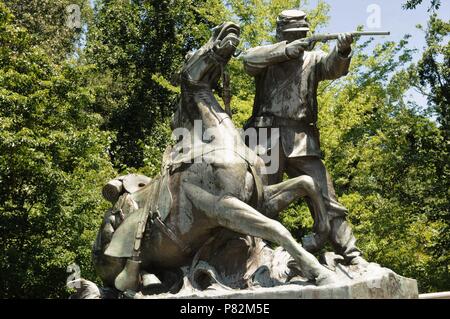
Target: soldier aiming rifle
[[287, 75]]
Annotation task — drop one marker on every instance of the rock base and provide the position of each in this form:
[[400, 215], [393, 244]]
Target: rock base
[[374, 282]]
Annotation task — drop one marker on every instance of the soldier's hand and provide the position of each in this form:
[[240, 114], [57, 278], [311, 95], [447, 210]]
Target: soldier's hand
[[295, 48], [344, 43]]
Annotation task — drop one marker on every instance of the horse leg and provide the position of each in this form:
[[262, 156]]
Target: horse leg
[[106, 267], [232, 213], [279, 196]]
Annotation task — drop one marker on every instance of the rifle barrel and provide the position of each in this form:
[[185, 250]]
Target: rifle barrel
[[334, 36], [356, 33]]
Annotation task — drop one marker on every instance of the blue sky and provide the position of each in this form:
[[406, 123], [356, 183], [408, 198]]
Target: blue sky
[[346, 15]]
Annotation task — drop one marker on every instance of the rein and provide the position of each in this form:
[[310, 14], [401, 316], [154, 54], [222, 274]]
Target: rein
[[225, 76]]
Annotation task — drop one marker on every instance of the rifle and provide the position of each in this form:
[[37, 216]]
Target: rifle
[[333, 36], [327, 37]]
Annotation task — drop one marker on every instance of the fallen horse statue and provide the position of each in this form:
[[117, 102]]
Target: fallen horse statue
[[203, 224]]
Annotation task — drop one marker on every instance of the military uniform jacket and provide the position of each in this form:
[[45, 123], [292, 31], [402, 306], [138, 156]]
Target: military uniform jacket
[[286, 90]]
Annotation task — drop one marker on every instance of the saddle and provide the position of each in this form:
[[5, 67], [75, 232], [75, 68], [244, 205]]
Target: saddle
[[151, 198]]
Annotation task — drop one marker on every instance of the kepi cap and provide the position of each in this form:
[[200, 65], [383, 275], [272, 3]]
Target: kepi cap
[[292, 20]]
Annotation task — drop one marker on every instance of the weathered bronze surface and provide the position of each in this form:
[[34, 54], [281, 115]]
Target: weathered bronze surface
[[204, 202], [204, 221], [287, 75]]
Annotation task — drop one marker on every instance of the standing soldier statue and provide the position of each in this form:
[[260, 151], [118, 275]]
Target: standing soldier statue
[[287, 75]]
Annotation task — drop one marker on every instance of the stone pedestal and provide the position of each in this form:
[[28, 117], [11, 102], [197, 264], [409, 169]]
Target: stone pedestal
[[374, 282]]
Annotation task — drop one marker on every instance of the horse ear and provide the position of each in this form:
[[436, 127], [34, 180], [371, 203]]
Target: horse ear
[[216, 30]]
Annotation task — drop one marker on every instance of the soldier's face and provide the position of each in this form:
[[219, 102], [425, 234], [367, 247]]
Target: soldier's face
[[292, 35]]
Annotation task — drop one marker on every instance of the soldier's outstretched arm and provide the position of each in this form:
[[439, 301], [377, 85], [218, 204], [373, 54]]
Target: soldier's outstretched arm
[[336, 64], [258, 58]]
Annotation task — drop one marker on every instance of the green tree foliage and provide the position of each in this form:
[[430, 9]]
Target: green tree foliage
[[431, 77], [46, 21], [138, 47], [412, 4], [52, 166], [387, 163]]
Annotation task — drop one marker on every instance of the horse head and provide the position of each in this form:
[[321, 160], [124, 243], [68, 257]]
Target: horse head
[[201, 72], [204, 66]]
